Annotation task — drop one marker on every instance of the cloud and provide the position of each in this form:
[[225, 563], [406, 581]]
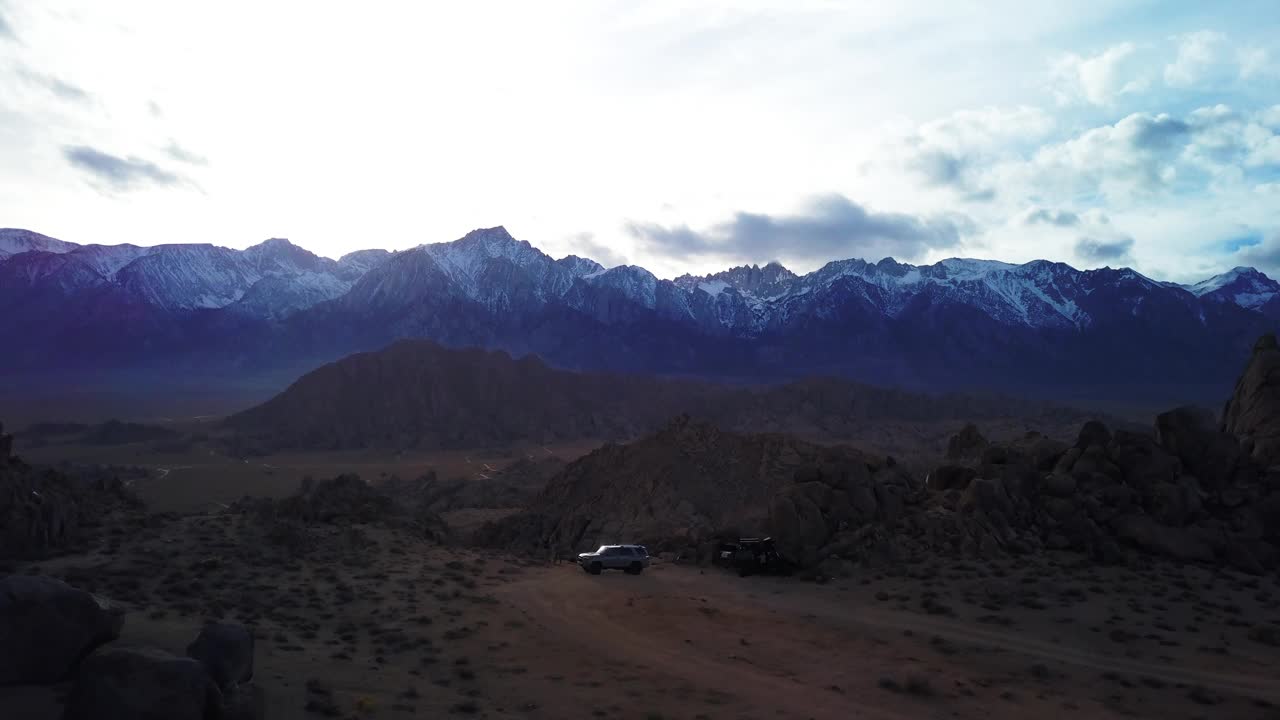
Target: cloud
[[1262, 254], [1094, 251], [116, 172], [1202, 57], [1254, 62], [587, 246], [6, 27], [829, 227], [938, 167], [181, 154], [1144, 153], [953, 150], [1045, 216], [62, 89], [154, 108], [1101, 78]]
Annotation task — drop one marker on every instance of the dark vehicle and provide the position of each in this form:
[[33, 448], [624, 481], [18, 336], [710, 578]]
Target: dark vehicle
[[751, 556], [631, 558]]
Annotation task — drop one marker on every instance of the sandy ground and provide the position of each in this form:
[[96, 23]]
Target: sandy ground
[[373, 622]]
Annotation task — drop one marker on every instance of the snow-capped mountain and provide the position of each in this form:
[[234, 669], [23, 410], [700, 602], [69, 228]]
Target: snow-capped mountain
[[953, 322], [271, 279], [1243, 286], [14, 241]]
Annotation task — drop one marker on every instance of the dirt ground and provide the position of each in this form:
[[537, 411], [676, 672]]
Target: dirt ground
[[373, 622]]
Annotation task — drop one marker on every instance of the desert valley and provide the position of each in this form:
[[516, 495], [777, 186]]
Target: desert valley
[[393, 536], [666, 360]]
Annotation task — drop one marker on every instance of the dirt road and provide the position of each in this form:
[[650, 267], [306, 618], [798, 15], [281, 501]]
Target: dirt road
[[781, 648]]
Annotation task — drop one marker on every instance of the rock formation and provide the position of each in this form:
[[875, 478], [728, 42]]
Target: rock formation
[[45, 511], [127, 683], [1253, 412], [692, 481], [1190, 490], [47, 626]]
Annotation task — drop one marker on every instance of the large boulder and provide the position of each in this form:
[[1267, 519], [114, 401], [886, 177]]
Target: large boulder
[[1093, 433], [1178, 543], [130, 683], [950, 477], [226, 652], [798, 524], [1212, 456], [1253, 412], [47, 626], [1143, 463], [966, 444]]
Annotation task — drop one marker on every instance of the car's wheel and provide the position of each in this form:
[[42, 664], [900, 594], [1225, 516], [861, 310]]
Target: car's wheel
[[594, 568], [635, 568]]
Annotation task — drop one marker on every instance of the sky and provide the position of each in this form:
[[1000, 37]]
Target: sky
[[680, 136]]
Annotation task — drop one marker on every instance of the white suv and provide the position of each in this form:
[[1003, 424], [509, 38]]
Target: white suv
[[631, 558]]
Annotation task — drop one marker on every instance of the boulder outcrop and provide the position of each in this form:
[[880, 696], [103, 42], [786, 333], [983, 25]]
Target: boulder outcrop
[[136, 683], [47, 626], [1253, 412]]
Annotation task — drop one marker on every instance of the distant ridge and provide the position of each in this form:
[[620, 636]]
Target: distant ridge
[[416, 394]]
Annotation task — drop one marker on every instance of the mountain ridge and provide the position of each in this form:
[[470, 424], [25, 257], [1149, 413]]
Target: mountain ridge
[[955, 324], [419, 394]]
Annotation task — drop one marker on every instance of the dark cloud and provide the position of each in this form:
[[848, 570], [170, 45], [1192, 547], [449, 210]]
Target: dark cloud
[[57, 86], [939, 167], [116, 172], [1157, 133], [1045, 216], [181, 154], [831, 227], [1094, 250], [586, 245], [1264, 254]]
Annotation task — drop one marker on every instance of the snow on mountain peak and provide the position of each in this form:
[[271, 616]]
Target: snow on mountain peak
[[971, 268], [17, 240], [580, 266], [1243, 286]]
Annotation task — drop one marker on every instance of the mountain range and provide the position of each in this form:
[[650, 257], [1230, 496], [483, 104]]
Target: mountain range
[[274, 309]]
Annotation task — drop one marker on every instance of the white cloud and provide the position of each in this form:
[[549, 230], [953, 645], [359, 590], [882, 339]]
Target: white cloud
[[1255, 62], [953, 150], [1200, 54], [1101, 78]]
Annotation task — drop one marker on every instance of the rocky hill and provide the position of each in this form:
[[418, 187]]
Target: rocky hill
[[1190, 491], [691, 481], [416, 394], [44, 512]]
